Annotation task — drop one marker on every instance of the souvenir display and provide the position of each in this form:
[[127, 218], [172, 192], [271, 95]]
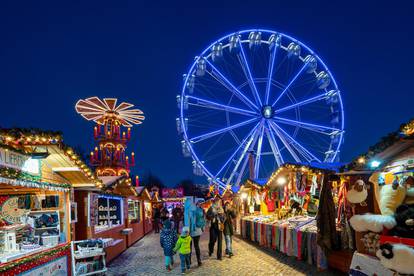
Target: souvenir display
[[385, 228], [134, 210], [281, 215], [88, 257], [109, 213]]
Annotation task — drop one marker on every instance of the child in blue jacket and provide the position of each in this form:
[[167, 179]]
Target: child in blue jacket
[[168, 238]]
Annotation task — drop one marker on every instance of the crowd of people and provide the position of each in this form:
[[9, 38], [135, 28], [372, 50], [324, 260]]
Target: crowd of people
[[218, 220]]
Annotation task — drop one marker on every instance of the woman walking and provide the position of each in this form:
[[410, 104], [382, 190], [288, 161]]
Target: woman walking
[[194, 219], [215, 215], [230, 214]]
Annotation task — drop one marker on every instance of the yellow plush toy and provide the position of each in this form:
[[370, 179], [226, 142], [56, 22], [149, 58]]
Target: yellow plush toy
[[391, 196]]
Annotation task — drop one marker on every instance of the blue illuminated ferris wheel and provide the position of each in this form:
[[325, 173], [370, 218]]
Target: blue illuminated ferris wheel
[[255, 99]]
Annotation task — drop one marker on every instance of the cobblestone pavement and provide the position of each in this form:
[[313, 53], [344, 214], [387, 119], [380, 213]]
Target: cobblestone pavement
[[146, 258]]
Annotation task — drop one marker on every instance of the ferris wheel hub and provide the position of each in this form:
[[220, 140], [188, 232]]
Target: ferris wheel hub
[[267, 111]]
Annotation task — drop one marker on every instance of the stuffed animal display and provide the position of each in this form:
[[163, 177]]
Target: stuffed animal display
[[404, 217], [391, 196], [398, 257], [358, 193], [372, 222]]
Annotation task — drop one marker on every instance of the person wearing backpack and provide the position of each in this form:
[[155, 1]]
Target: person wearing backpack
[[194, 219]]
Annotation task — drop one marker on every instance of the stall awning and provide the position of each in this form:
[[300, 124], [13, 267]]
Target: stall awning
[[62, 165]]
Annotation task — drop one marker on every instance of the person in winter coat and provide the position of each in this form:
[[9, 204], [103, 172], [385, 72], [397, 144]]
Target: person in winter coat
[[230, 214], [215, 215], [156, 219], [183, 247], [194, 219], [177, 214], [168, 238], [163, 214]]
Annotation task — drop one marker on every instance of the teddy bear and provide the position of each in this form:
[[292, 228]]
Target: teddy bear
[[404, 217], [397, 257]]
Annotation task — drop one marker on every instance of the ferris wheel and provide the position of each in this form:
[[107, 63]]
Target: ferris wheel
[[253, 100]]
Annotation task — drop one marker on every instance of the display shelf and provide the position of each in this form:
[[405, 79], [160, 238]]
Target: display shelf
[[46, 228], [44, 211], [94, 272], [77, 256]]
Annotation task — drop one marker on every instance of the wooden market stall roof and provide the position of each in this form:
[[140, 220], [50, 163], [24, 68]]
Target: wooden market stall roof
[[60, 163], [387, 147], [155, 197], [143, 193], [312, 166]]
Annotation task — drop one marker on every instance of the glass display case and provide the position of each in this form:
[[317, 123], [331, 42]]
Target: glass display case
[[110, 213], [134, 211]]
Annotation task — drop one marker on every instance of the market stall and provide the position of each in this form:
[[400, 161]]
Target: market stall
[[384, 212], [101, 215], [280, 215], [37, 172]]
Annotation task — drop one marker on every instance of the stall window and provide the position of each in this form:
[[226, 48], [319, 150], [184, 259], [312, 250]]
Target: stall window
[[148, 210], [134, 211], [110, 213]]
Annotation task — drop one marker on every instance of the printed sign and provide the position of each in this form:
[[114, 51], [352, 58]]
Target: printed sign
[[169, 192], [15, 160], [57, 267]]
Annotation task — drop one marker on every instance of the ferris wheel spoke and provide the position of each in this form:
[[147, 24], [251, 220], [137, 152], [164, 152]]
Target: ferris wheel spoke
[[238, 148], [217, 132], [290, 83], [248, 73], [270, 74], [317, 128], [305, 152], [213, 105], [307, 101], [243, 168], [226, 83], [275, 148], [258, 153], [285, 142], [251, 141]]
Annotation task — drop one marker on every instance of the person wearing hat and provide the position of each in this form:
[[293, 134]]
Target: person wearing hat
[[168, 238], [183, 247]]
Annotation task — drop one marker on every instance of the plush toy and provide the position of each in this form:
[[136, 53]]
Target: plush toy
[[391, 196], [358, 193], [405, 222], [409, 184], [372, 222], [398, 257]]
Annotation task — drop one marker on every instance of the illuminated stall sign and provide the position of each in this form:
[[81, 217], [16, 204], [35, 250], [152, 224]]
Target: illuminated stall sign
[[15, 160], [171, 193]]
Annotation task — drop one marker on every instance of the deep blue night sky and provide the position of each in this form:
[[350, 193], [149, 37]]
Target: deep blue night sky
[[54, 53]]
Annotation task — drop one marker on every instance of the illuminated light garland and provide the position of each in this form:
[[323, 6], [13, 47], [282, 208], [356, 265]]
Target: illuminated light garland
[[15, 177], [15, 139], [290, 166], [35, 184], [26, 263], [406, 131]]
